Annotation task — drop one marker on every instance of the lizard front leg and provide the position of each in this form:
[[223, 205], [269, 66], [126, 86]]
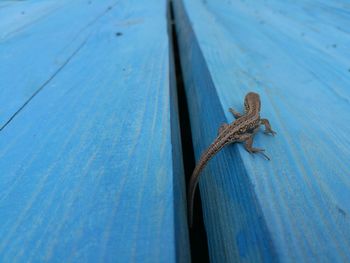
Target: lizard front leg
[[235, 113], [267, 125], [249, 147]]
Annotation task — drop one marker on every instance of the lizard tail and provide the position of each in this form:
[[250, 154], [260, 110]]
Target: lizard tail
[[195, 177], [191, 191]]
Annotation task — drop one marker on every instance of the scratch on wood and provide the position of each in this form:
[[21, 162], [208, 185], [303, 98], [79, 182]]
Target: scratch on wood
[[44, 85]]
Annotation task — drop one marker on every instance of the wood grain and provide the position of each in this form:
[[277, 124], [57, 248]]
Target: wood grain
[[90, 166], [296, 207], [37, 39]]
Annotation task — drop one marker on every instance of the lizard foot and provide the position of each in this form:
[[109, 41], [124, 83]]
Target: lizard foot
[[269, 131], [258, 150]]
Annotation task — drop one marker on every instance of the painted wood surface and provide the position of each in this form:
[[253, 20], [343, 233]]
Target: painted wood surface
[[296, 207], [90, 158]]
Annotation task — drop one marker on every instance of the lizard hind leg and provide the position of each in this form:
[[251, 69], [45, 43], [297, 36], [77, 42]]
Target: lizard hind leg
[[235, 113], [222, 127], [249, 147]]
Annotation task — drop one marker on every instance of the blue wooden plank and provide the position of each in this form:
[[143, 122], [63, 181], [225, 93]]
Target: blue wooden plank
[[37, 39], [90, 168], [294, 208]]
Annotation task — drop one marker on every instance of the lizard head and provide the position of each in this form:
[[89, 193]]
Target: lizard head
[[252, 100]]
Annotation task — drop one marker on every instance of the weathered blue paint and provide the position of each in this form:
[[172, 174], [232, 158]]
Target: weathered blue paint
[[37, 39], [296, 207], [90, 167]]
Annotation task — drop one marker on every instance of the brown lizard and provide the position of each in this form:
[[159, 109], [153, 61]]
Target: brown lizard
[[242, 129]]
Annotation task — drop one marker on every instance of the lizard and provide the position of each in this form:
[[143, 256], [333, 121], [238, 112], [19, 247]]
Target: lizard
[[242, 129]]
